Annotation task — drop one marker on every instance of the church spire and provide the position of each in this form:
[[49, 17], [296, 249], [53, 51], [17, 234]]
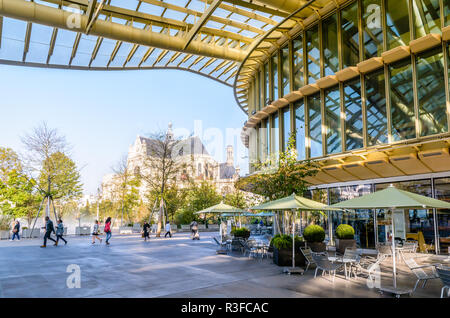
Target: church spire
[[169, 131]]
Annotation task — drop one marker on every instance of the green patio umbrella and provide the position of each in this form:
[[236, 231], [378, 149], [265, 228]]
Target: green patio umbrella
[[392, 198], [293, 202], [223, 208]]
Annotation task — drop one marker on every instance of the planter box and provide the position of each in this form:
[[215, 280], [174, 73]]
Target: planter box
[[136, 228], [26, 233], [284, 257], [83, 230], [213, 227], [201, 227], [125, 230], [4, 235], [341, 245], [185, 228], [317, 246]]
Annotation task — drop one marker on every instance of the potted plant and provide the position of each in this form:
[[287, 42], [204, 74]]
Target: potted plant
[[314, 236], [282, 250], [239, 233], [345, 238]]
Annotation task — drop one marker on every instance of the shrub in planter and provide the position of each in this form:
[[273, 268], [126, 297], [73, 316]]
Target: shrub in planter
[[345, 235], [242, 232], [314, 236], [282, 250]]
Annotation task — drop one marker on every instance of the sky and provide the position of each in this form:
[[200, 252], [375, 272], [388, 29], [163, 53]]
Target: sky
[[102, 112]]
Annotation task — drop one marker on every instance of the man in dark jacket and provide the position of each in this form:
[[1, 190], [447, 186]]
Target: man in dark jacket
[[48, 231], [16, 230]]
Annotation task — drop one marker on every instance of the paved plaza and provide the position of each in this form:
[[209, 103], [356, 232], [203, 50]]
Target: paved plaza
[[177, 267]]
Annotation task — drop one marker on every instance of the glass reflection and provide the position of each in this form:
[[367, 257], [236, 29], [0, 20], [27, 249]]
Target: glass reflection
[[333, 120], [360, 220], [397, 23], [313, 53], [402, 101], [286, 126], [417, 224], [267, 139], [299, 108], [297, 50], [285, 71], [276, 133], [330, 45], [315, 126], [275, 77], [442, 192], [353, 115], [350, 35], [376, 108], [372, 28], [431, 93], [266, 84], [426, 17]]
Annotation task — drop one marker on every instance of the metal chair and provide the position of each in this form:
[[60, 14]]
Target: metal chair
[[419, 271], [306, 251], [444, 275], [351, 257], [324, 264]]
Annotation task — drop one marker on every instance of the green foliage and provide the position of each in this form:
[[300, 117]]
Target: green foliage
[[5, 222], [200, 196], [64, 177], [184, 217], [345, 232], [236, 199], [314, 233], [280, 175], [284, 241], [242, 232]]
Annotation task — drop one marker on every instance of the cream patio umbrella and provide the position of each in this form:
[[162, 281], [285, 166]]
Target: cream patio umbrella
[[293, 203], [223, 208], [392, 198]]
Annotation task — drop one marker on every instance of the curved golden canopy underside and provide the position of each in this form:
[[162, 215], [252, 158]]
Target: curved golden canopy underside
[[208, 37]]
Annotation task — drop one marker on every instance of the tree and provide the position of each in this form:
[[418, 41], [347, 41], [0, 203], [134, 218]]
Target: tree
[[64, 177], [47, 161], [236, 199], [9, 161], [127, 185], [202, 196], [161, 168], [280, 176]]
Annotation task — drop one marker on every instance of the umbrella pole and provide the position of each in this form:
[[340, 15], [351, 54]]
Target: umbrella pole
[[394, 277], [293, 238]]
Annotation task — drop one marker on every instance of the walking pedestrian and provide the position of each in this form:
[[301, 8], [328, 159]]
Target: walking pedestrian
[[95, 233], [168, 230], [49, 229], [108, 230], [60, 231], [146, 231], [15, 231]]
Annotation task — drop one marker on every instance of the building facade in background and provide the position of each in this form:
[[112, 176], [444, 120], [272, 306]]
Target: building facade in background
[[365, 89]]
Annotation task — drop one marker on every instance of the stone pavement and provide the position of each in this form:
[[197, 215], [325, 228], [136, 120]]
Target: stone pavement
[[177, 267]]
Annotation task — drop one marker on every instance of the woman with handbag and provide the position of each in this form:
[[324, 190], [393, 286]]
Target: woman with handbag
[[16, 230]]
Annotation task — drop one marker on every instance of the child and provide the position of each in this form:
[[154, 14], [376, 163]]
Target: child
[[95, 233]]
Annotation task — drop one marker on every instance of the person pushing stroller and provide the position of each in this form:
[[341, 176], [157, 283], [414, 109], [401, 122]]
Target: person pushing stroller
[[194, 229]]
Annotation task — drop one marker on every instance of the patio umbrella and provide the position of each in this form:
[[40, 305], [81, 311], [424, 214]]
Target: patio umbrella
[[392, 198], [293, 203], [223, 208]]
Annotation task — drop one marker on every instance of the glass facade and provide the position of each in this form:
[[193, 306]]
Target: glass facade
[[285, 74], [353, 115], [396, 103], [402, 101], [300, 136], [350, 35], [330, 45], [313, 54], [299, 70], [431, 93], [333, 120], [376, 108], [315, 126], [286, 126]]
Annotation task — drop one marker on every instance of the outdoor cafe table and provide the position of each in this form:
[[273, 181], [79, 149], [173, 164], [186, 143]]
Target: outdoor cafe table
[[345, 261]]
